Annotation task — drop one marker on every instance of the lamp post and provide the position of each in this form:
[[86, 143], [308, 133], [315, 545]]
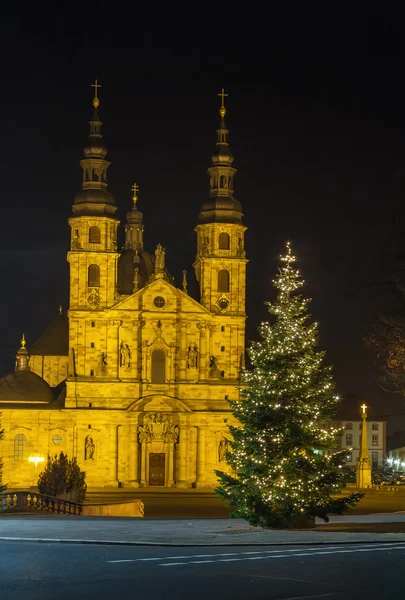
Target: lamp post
[[36, 459]]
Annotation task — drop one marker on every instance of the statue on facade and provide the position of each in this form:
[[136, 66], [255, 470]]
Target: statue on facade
[[136, 280], [76, 245], [160, 258], [125, 355], [222, 448], [192, 356], [184, 282], [89, 448], [102, 365], [215, 373]]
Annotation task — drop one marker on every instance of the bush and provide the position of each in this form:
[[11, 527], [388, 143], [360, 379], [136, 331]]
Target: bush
[[62, 478]]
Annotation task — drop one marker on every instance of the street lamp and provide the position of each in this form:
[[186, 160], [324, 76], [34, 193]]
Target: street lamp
[[36, 459]]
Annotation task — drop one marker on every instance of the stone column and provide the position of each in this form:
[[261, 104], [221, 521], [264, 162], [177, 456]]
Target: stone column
[[135, 350], [200, 456], [202, 363], [170, 465], [113, 348], [143, 464], [133, 457], [182, 447], [173, 350], [183, 352], [144, 366]]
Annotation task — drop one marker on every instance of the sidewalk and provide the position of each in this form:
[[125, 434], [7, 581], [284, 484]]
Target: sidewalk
[[196, 532]]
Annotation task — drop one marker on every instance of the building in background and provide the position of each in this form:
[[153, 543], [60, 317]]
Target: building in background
[[349, 419]]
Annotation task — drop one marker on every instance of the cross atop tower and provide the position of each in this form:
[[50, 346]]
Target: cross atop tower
[[222, 110], [96, 100], [363, 408], [135, 188]]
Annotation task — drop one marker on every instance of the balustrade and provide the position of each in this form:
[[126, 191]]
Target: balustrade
[[30, 501]]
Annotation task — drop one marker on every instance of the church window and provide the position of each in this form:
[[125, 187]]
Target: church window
[[222, 327], [222, 373], [20, 447], [94, 235], [158, 366], [159, 302], [223, 281], [94, 276], [223, 241], [91, 372], [222, 348], [93, 323], [57, 439], [91, 344]]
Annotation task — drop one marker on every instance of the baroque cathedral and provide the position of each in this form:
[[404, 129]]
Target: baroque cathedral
[[134, 380]]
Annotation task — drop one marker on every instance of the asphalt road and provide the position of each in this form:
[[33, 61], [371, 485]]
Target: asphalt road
[[69, 571]]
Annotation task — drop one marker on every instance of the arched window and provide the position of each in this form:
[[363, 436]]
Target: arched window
[[223, 281], [94, 235], [223, 241], [94, 276], [158, 366], [20, 446]]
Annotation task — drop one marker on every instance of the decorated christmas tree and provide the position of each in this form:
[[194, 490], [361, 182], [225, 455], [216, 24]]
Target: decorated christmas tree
[[285, 468]]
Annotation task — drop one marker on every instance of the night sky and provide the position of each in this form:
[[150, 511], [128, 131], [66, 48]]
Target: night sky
[[316, 113]]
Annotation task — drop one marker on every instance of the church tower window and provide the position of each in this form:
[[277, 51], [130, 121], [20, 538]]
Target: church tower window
[[20, 447], [158, 366], [223, 241], [94, 235], [94, 276], [223, 281]]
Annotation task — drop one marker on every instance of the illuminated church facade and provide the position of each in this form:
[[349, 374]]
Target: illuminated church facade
[[134, 380]]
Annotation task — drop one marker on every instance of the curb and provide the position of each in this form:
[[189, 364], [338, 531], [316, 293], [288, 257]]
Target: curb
[[185, 544]]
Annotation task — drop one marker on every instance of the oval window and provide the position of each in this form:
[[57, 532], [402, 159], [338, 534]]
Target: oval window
[[57, 439], [159, 302]]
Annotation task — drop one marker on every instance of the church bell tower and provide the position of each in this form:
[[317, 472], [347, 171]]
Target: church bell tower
[[93, 252], [220, 264]]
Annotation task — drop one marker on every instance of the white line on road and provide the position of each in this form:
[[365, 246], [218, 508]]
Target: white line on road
[[354, 550], [187, 557]]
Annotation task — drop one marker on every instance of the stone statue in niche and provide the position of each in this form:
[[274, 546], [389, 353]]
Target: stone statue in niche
[[222, 448], [102, 365], [125, 355], [192, 356], [160, 258], [89, 448], [215, 373]]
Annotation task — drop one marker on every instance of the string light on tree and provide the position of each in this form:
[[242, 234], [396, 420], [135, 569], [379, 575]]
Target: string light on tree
[[285, 469]]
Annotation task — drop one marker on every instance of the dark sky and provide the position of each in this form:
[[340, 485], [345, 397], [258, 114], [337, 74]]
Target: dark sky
[[316, 113]]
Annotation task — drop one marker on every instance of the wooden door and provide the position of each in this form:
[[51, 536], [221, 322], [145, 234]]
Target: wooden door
[[157, 468]]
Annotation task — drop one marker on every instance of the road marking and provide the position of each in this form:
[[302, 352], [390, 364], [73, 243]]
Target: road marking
[[209, 555], [321, 549], [290, 555]]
